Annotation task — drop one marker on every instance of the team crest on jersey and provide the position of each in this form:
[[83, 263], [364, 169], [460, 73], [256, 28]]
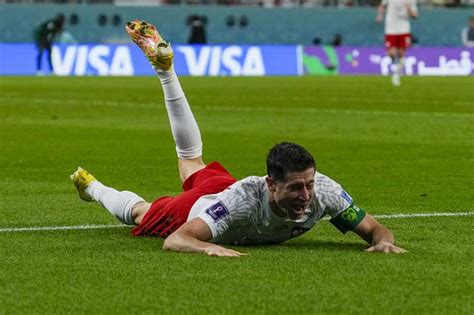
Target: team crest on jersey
[[346, 197], [217, 211]]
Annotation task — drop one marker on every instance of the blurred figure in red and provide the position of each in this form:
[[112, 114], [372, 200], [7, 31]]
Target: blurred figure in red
[[397, 31]]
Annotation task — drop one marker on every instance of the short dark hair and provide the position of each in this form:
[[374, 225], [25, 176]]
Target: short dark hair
[[286, 157], [59, 20]]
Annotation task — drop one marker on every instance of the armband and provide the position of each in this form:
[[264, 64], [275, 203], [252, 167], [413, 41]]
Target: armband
[[348, 219]]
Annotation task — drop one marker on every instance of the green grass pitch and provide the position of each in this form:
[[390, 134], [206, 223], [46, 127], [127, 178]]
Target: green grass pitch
[[395, 150]]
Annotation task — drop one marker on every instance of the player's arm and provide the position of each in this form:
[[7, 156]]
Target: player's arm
[[193, 237], [346, 216], [380, 12], [357, 220], [412, 11], [377, 235]]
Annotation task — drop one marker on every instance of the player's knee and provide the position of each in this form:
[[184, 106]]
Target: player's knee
[[187, 167], [139, 210]]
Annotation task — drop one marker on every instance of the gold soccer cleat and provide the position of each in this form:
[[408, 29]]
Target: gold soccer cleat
[[156, 49], [82, 179]]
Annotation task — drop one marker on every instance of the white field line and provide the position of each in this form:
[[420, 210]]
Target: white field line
[[310, 110], [423, 215], [60, 228], [224, 108], [109, 226]]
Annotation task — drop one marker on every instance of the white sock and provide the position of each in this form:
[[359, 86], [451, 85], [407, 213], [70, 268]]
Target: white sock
[[118, 203], [184, 127], [395, 65], [400, 69]]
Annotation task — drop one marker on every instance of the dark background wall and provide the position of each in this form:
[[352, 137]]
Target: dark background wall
[[435, 27]]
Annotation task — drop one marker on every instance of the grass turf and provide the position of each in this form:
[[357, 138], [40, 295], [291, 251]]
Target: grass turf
[[399, 150]]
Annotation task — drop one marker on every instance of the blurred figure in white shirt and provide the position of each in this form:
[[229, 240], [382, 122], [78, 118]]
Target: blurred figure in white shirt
[[397, 31]]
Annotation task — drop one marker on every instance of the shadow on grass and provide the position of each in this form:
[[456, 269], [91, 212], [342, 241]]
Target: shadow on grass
[[293, 245], [312, 245]]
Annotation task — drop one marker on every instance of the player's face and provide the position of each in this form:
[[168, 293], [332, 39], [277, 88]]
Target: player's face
[[294, 195]]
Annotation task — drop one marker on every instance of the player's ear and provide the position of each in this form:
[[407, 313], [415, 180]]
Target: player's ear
[[270, 184]]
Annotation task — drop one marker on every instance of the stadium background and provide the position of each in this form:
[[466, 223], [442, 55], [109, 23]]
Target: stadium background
[[100, 26]]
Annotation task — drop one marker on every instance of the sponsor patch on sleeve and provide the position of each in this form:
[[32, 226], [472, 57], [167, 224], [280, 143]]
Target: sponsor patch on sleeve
[[217, 211], [348, 219]]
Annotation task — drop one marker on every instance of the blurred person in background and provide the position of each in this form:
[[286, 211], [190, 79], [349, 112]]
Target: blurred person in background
[[467, 34], [397, 31], [336, 40], [197, 25], [44, 36], [316, 40]]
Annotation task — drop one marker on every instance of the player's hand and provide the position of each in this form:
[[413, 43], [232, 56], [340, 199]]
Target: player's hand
[[220, 251], [385, 247], [379, 18]]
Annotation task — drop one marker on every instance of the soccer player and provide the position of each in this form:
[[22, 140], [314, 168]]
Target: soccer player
[[217, 209], [397, 31]]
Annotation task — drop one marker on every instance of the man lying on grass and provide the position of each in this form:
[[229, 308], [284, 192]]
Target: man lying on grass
[[215, 208]]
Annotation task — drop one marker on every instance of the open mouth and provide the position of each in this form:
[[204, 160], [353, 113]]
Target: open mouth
[[298, 210]]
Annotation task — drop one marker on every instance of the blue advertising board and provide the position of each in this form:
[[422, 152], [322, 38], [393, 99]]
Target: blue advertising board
[[128, 60], [225, 60]]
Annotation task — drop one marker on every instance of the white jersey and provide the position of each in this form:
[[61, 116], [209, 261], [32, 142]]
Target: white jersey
[[241, 214], [397, 18]]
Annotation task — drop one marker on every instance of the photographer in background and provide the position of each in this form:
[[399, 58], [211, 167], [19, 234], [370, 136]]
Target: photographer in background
[[44, 36]]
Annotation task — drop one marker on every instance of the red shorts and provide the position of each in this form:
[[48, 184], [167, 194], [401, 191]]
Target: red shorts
[[398, 41], [167, 213]]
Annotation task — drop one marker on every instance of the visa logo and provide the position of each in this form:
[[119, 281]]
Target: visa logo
[[217, 60], [92, 60]]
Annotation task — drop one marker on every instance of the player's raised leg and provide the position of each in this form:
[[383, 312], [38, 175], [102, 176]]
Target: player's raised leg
[[121, 204], [184, 127]]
